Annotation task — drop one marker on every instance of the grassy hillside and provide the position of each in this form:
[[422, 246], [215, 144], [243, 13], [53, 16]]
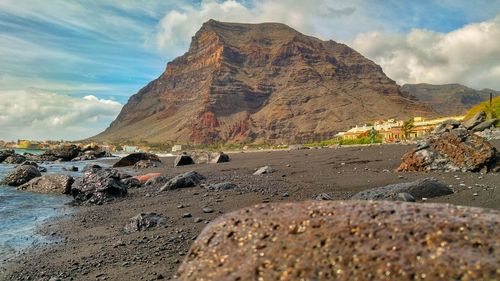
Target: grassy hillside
[[492, 111]]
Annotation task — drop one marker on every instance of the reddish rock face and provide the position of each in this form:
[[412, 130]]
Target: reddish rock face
[[260, 82], [348, 240]]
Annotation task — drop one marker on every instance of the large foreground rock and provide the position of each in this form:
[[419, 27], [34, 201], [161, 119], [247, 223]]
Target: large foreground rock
[[98, 186], [188, 179], [453, 149], [425, 188], [133, 158], [49, 184], [21, 175], [348, 240]]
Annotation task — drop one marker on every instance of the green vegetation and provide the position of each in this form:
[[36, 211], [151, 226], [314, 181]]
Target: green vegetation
[[492, 111], [360, 140], [408, 126]]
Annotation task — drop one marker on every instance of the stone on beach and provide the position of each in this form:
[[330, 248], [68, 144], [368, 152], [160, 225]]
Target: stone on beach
[[222, 186], [264, 170], [144, 221], [6, 153], [133, 158], [188, 179], [346, 240], [98, 186], [451, 149], [156, 181], [221, 158], [14, 159], [183, 160], [49, 184], [65, 153], [21, 175], [424, 188], [144, 164]]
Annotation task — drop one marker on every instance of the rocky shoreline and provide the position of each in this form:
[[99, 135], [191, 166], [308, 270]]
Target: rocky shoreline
[[140, 221]]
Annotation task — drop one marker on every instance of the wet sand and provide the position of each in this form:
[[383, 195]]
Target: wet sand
[[94, 246]]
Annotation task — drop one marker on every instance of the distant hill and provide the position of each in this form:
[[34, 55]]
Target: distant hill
[[449, 99], [260, 83]]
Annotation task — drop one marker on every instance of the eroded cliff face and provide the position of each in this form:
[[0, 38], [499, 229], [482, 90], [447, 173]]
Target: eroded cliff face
[[260, 82]]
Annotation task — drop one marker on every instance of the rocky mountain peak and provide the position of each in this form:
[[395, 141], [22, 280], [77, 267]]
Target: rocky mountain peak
[[260, 83]]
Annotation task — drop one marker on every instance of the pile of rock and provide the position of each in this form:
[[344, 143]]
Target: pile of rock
[[11, 157], [70, 153], [348, 240], [21, 175], [452, 147], [99, 185]]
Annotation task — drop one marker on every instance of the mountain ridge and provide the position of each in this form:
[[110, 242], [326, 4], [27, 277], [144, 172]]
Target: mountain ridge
[[260, 83], [449, 99]]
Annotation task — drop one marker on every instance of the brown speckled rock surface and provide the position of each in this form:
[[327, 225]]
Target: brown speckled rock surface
[[348, 240]]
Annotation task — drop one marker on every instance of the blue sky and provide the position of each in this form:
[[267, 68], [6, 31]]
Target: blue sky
[[110, 49]]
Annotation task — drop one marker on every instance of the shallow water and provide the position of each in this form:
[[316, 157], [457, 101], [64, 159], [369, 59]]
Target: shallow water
[[22, 212]]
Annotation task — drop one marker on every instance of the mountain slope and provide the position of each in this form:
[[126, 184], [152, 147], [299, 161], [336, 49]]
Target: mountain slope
[[260, 82], [449, 99]]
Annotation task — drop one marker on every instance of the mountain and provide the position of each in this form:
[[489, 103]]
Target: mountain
[[449, 99], [260, 83]]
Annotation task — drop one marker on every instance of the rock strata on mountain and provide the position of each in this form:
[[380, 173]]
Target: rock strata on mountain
[[260, 82]]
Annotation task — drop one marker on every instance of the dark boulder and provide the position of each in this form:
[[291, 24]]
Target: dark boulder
[[221, 158], [21, 175], [144, 221], [133, 158], [98, 186], [183, 160], [348, 240], [14, 159], [6, 153], [49, 184], [188, 179], [65, 153], [425, 188]]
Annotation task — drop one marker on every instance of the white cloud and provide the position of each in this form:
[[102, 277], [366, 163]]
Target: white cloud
[[177, 26], [45, 115], [469, 55]]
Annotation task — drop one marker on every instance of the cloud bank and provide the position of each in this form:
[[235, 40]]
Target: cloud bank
[[384, 32], [33, 114], [469, 55]]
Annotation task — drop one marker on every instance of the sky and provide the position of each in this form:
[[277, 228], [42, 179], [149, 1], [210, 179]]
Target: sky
[[68, 66]]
